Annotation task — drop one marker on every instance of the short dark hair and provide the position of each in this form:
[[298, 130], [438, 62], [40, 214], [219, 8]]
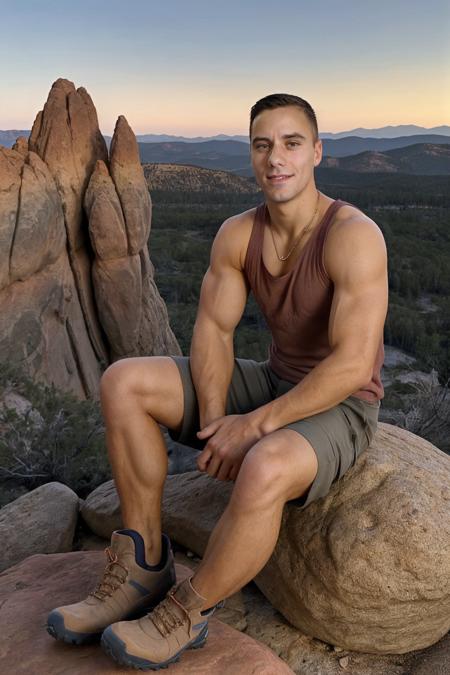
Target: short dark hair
[[279, 101]]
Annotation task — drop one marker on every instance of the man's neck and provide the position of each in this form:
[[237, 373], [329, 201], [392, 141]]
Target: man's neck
[[290, 218]]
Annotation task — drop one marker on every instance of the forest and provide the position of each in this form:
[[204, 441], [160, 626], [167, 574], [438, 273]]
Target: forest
[[413, 213]]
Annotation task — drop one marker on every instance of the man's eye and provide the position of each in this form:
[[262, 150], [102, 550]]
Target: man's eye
[[261, 146], [293, 143]]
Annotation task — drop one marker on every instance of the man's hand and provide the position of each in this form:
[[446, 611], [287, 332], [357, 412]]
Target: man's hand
[[230, 439]]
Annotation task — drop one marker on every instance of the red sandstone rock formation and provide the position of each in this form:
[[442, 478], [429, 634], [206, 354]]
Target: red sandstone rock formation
[[28, 592], [76, 281]]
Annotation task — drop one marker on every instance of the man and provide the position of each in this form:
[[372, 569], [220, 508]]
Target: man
[[282, 430]]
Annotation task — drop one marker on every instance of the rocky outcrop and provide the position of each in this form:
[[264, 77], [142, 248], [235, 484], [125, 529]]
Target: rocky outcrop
[[41, 521], [76, 281], [118, 205], [30, 590], [366, 568]]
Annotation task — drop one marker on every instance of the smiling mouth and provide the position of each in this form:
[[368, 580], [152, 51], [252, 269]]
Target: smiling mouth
[[278, 179]]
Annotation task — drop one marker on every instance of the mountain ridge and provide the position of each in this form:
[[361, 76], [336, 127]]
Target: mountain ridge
[[8, 136]]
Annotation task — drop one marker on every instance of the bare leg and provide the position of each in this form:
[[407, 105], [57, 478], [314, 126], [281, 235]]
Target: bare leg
[[136, 446], [279, 467]]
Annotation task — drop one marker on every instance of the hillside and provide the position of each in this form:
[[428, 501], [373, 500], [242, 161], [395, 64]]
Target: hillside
[[418, 159], [182, 178]]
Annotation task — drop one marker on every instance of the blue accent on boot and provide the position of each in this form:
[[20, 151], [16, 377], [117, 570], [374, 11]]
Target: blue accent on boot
[[139, 549], [56, 628], [116, 648]]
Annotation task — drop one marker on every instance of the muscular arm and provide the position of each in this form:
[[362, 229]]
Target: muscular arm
[[357, 264], [222, 301]]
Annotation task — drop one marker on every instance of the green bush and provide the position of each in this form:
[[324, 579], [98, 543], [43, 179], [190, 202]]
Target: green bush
[[58, 439]]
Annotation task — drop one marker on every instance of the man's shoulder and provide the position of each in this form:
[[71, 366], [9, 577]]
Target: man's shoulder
[[245, 218], [349, 221], [352, 236], [235, 234]]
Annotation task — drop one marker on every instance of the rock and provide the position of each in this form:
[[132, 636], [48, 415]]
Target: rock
[[21, 145], [372, 554], [249, 611], [366, 568], [41, 321], [106, 222], [40, 236], [73, 247], [10, 400], [11, 163], [116, 281], [128, 176], [41, 521], [306, 655], [381, 563], [30, 590], [67, 137], [118, 205], [435, 661]]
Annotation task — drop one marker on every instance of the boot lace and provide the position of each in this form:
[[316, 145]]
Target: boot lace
[[110, 581], [164, 617]]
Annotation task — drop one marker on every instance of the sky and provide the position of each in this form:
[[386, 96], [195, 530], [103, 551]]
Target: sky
[[195, 67]]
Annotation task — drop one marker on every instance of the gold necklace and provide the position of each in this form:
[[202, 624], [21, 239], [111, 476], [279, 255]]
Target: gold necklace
[[304, 231]]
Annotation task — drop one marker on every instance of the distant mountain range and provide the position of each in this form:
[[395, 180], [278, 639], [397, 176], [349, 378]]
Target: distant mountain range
[[391, 132], [415, 154], [420, 159], [382, 132], [416, 158], [8, 137], [234, 155]]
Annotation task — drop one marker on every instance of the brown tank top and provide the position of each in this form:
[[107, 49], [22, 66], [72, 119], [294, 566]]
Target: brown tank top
[[297, 305]]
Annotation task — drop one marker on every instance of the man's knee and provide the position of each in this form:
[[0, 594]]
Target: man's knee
[[148, 384], [275, 469], [117, 379]]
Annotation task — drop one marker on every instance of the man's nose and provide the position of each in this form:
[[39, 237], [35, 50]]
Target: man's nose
[[276, 156]]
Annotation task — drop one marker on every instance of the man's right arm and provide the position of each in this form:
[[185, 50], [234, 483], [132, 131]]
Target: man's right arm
[[223, 297]]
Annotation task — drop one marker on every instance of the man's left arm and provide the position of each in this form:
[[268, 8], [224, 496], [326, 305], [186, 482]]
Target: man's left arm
[[356, 261]]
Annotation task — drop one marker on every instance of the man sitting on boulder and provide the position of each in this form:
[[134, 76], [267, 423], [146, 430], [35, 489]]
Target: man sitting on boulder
[[284, 430]]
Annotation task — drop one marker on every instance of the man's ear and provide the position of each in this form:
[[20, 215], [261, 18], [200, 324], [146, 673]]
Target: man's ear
[[318, 148]]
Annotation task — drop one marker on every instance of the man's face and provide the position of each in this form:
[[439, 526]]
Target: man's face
[[283, 152]]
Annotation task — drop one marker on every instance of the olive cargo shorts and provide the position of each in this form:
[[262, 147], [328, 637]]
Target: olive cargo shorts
[[338, 435]]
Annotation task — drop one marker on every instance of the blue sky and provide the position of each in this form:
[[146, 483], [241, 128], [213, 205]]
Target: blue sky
[[196, 68]]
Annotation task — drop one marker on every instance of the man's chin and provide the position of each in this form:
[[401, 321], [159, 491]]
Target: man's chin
[[278, 198]]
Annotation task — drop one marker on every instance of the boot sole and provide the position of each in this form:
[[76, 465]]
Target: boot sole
[[57, 629], [116, 648]]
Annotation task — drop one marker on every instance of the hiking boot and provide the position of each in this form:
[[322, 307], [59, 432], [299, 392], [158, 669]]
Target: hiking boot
[[158, 639], [129, 588]]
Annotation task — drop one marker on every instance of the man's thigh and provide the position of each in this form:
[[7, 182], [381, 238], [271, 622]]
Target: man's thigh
[[251, 386], [338, 436]]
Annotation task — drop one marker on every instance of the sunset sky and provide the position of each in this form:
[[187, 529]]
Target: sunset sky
[[195, 68]]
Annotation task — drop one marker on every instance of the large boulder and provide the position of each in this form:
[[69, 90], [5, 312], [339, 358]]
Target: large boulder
[[30, 590], [74, 249], [41, 521], [368, 566]]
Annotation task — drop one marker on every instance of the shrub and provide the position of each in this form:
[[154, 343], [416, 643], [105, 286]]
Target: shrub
[[58, 438]]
